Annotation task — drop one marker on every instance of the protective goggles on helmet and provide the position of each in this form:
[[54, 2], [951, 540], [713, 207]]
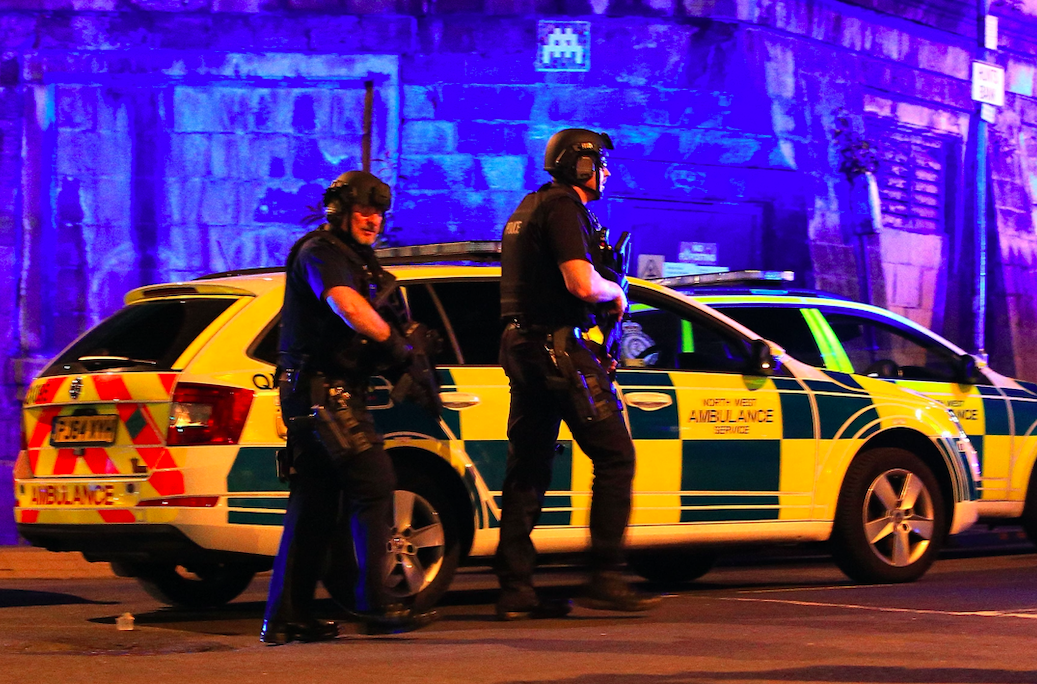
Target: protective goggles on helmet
[[364, 188]]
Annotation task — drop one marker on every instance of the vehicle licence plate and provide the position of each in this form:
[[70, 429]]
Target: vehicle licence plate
[[84, 430]]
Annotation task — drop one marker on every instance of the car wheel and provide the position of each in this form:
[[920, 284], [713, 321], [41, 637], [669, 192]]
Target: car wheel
[[672, 566], [204, 585], [1029, 517], [424, 547], [890, 521]]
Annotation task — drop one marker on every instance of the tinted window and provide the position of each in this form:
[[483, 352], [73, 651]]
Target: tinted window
[[655, 337], [266, 347], [885, 350], [147, 336], [472, 330], [783, 325]]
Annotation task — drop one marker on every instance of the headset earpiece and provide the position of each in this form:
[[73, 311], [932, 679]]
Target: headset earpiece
[[584, 168]]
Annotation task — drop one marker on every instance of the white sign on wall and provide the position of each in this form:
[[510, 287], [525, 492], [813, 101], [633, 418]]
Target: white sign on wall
[[563, 45], [650, 265], [988, 83]]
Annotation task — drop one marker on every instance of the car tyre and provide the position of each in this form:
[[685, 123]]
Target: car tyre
[[1029, 517], [672, 566], [201, 586], [890, 521], [425, 547]]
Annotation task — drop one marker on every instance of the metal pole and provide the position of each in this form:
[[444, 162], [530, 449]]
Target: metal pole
[[365, 141], [979, 304]]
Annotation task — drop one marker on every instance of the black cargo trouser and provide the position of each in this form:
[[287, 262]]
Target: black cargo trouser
[[537, 409], [320, 488]]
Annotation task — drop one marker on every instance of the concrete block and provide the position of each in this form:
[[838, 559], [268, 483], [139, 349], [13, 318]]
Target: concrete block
[[378, 33], [111, 202], [643, 52], [370, 6], [112, 111], [219, 203], [504, 172], [86, 153], [189, 155], [420, 102], [311, 109], [438, 172], [171, 5], [272, 109], [249, 6], [429, 137], [183, 200], [513, 7], [230, 155], [346, 115], [485, 103], [506, 65], [268, 157], [316, 5], [475, 137], [258, 25], [308, 162], [1011, 195], [18, 30], [907, 285]]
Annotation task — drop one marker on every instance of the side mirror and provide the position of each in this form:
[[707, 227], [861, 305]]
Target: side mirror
[[761, 362], [968, 372]]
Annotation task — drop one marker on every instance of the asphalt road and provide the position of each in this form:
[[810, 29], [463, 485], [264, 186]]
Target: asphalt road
[[972, 619]]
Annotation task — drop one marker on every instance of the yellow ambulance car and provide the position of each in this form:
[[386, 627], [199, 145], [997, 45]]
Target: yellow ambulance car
[[149, 443]]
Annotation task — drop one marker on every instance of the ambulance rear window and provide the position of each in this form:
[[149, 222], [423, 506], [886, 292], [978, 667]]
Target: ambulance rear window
[[150, 335]]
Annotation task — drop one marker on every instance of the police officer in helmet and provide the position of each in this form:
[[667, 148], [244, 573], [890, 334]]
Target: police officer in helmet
[[550, 289], [332, 340]]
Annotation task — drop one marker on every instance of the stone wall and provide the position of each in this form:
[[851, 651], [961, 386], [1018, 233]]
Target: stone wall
[[153, 140]]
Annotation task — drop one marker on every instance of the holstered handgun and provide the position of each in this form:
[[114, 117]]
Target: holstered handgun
[[590, 399], [284, 460], [335, 422]]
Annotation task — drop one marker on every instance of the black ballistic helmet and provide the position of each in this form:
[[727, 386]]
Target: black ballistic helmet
[[355, 187], [576, 155]]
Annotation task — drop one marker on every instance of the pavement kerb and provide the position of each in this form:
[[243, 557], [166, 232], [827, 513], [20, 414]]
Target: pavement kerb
[[28, 562]]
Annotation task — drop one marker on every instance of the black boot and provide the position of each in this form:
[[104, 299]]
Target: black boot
[[541, 609], [609, 591], [276, 632], [395, 619]]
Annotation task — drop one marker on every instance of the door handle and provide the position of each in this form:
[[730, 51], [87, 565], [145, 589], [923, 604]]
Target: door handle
[[648, 401], [458, 400]]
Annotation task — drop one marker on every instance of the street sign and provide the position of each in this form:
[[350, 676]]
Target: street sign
[[650, 265], [988, 83]]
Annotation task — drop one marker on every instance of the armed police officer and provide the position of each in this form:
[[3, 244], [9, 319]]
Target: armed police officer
[[550, 289], [333, 337]]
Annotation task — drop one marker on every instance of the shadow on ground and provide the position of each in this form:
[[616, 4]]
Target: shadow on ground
[[22, 598]]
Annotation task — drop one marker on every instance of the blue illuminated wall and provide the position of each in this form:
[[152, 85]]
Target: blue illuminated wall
[[152, 140]]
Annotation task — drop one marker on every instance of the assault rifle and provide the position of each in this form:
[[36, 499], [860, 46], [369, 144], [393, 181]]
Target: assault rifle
[[416, 381], [614, 260]]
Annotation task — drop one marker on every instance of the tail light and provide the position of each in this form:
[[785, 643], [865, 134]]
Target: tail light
[[22, 465], [207, 414]]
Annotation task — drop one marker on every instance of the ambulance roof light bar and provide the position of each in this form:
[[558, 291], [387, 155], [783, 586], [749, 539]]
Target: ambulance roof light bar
[[470, 250], [727, 278]]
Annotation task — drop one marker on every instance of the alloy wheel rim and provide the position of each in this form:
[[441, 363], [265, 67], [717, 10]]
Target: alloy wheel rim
[[417, 545], [899, 518]]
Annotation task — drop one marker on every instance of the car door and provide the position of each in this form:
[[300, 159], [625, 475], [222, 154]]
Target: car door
[[884, 348], [475, 393], [712, 442]]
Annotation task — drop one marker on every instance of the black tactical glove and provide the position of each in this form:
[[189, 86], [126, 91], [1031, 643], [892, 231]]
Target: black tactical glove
[[398, 350]]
